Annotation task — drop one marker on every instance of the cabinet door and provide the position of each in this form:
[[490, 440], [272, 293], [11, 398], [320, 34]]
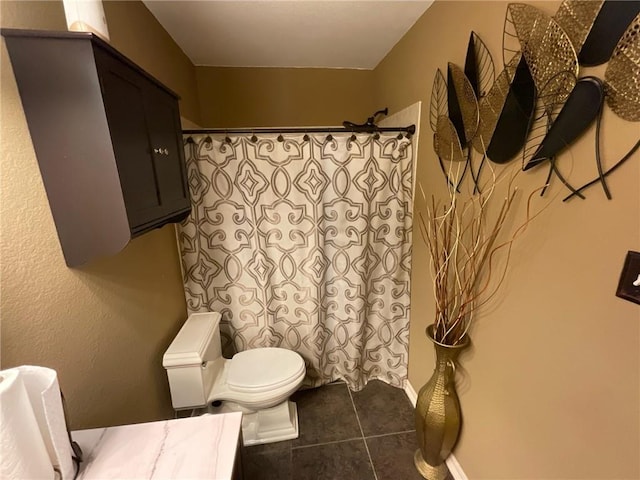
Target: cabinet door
[[123, 92], [164, 129]]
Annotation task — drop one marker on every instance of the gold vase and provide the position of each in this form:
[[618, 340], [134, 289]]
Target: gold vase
[[438, 413]]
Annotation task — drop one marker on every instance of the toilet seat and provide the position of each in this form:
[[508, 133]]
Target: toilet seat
[[264, 369], [255, 382]]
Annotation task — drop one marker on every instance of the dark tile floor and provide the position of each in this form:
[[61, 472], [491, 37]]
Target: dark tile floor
[[366, 435]]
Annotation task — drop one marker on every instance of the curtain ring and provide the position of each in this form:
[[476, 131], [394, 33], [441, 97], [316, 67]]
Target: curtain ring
[[253, 138], [353, 137], [329, 138], [376, 136], [208, 140], [305, 138], [280, 138]]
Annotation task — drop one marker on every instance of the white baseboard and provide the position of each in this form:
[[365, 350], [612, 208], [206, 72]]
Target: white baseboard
[[456, 470], [411, 393], [454, 467]]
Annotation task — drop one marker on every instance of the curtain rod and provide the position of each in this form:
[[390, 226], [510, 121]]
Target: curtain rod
[[411, 129]]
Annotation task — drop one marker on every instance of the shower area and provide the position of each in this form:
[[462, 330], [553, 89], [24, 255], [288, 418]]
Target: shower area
[[301, 238]]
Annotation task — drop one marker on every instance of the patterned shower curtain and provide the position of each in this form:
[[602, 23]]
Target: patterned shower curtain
[[304, 242]]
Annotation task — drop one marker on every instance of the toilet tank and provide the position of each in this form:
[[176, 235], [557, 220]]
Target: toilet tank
[[193, 359]]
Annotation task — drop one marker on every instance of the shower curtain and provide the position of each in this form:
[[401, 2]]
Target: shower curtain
[[304, 242]]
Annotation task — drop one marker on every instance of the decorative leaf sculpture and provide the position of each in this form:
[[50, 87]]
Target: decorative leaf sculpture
[[546, 48], [610, 24], [455, 111], [623, 74], [542, 120], [539, 129], [510, 41], [491, 105], [601, 176], [578, 113], [461, 95], [438, 106], [447, 146], [478, 66], [480, 71], [542, 123], [446, 142], [576, 17], [471, 66], [516, 117]]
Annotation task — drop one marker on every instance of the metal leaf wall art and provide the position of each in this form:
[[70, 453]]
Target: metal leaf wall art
[[546, 48], [609, 25], [456, 129], [480, 71], [622, 93], [438, 106], [478, 66], [576, 18], [455, 113], [579, 111], [463, 96], [623, 75], [622, 89], [446, 142], [538, 104], [491, 105], [543, 118], [461, 91], [514, 122]]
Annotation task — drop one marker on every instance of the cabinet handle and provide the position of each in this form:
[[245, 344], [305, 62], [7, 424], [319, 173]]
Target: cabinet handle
[[157, 150], [161, 151], [166, 151]]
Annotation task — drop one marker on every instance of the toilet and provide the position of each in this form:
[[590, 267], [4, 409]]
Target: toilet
[[256, 382]]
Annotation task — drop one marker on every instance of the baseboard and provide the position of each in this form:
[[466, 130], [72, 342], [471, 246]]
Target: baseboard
[[454, 467], [456, 470], [411, 393]]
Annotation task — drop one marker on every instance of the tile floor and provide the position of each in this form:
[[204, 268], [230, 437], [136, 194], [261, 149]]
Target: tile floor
[[366, 435]]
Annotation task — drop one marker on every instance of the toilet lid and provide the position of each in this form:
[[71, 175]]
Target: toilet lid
[[262, 369]]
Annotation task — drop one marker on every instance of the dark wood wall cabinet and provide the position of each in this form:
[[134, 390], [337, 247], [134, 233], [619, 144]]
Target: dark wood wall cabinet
[[107, 137]]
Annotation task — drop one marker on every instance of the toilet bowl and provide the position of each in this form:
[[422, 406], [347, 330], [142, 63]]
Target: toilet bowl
[[256, 382]]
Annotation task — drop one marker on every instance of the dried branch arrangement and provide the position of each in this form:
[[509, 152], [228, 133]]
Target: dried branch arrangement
[[464, 235]]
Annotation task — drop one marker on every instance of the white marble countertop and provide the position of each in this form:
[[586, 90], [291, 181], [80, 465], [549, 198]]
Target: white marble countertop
[[189, 448]]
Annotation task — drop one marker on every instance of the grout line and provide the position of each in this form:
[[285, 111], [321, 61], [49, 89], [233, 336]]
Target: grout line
[[366, 447], [290, 465], [388, 434], [327, 443]]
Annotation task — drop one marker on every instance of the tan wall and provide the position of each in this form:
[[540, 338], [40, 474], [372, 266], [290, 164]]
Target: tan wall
[[551, 388], [103, 327], [276, 97], [137, 34]]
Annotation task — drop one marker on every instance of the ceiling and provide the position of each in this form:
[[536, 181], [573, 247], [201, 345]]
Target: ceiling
[[295, 33]]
